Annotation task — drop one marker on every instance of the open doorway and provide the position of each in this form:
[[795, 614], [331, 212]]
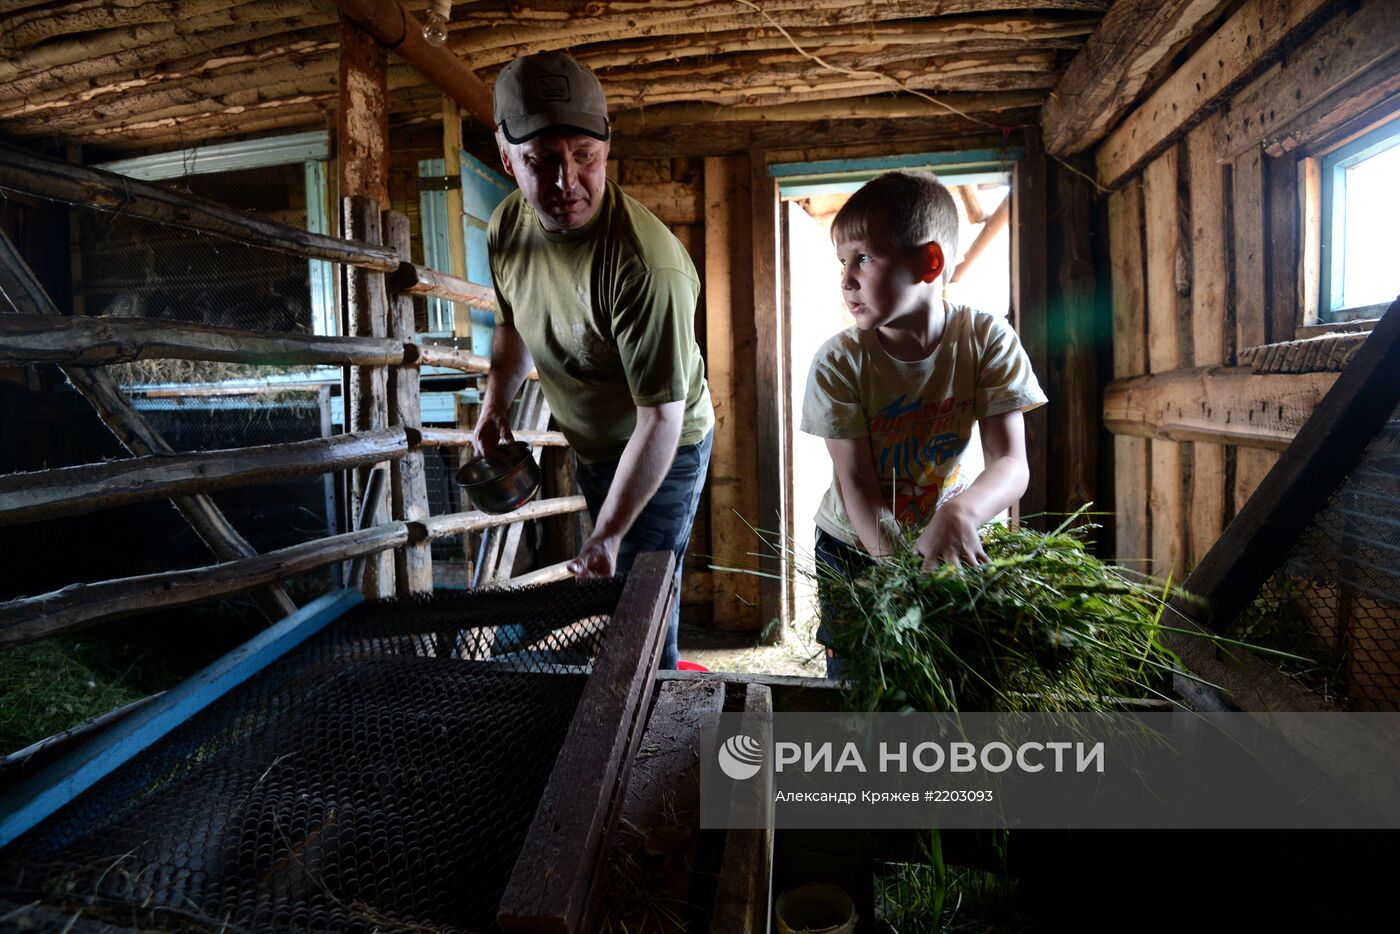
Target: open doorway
[[811, 196]]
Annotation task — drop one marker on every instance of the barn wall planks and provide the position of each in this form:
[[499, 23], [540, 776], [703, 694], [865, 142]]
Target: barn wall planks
[[1207, 247]]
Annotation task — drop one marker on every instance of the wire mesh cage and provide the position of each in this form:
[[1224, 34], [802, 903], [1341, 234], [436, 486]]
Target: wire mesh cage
[[383, 776], [1336, 597]]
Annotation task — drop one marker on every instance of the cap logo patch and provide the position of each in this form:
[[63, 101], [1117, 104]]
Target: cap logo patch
[[552, 87]]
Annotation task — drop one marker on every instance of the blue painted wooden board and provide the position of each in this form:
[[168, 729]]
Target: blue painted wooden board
[[40, 796]]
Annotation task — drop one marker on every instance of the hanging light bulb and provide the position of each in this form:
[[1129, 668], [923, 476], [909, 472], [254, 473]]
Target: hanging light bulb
[[435, 25]]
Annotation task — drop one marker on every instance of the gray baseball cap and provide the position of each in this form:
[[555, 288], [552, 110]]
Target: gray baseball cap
[[550, 90]]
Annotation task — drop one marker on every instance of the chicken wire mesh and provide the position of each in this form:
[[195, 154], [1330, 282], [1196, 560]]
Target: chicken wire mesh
[[1336, 597], [372, 780]]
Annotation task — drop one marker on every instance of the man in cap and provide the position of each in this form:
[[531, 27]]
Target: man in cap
[[599, 297]]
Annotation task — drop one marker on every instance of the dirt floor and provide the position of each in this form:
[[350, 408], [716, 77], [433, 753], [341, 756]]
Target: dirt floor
[[797, 654]]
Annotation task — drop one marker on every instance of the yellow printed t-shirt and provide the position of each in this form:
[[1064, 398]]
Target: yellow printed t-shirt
[[608, 313], [918, 415]]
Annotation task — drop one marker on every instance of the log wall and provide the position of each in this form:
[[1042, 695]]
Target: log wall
[[1205, 236]]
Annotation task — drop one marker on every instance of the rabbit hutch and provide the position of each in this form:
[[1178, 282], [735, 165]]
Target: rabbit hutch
[[263, 665]]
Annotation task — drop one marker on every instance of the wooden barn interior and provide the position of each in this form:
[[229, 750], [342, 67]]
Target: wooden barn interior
[[246, 313]]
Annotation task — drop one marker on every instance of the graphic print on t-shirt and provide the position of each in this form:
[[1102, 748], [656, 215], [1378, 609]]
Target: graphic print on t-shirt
[[916, 446]]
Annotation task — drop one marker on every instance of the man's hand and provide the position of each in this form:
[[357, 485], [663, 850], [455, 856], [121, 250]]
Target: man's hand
[[951, 537], [492, 430], [597, 558]]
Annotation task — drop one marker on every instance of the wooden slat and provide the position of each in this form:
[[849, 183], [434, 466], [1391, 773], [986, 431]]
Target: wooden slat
[[46, 792], [1131, 491], [730, 341], [367, 308], [1251, 467], [104, 191], [1104, 79], [1284, 220], [742, 901], [462, 438], [770, 425], [1030, 299], [1346, 47], [671, 202], [1222, 405], [413, 564], [1129, 281], [68, 491], [1168, 510], [80, 605], [535, 418], [1246, 43], [135, 434], [1251, 250], [459, 522], [79, 341], [362, 117], [552, 886]]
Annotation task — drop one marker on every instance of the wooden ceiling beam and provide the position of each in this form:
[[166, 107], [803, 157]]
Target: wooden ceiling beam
[[542, 26], [884, 107], [946, 34], [393, 27], [1133, 39]]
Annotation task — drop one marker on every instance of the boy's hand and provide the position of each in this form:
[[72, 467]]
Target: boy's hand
[[951, 537]]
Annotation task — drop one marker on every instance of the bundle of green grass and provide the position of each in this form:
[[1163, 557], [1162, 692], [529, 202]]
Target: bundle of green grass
[[1042, 626]]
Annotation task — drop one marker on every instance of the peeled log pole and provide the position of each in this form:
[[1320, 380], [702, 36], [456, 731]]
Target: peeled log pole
[[990, 228], [460, 522], [80, 605], [420, 280], [105, 191], [460, 438], [99, 341], [23, 290], [453, 358], [66, 491]]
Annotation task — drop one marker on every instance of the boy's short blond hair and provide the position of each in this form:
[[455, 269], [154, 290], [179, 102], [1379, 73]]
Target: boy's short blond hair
[[909, 208]]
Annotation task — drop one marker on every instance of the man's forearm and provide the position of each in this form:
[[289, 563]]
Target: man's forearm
[[643, 465]]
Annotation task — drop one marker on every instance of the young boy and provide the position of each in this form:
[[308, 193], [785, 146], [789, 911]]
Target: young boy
[[896, 396]]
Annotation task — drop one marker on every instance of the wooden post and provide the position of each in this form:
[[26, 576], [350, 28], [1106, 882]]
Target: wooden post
[[768, 372], [1130, 484], [730, 341], [362, 120], [366, 299], [1029, 291], [19, 284], [413, 564]]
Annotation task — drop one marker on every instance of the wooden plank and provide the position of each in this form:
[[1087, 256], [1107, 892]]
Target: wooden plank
[[362, 116], [743, 899], [43, 794], [1030, 305], [791, 693], [1240, 49], [413, 564], [660, 820], [1129, 281], [551, 888], [535, 419], [768, 372], [135, 434], [1131, 492], [69, 491], [1349, 45], [1251, 250], [1167, 271], [367, 304], [729, 343], [1251, 467], [1327, 447], [1127, 47], [1222, 405], [1284, 220], [1310, 250], [672, 202], [1364, 101], [457, 523], [1167, 510], [26, 339], [77, 606], [1074, 381], [117, 194]]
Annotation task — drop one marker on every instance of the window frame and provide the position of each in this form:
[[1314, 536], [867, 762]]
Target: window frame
[[1332, 169]]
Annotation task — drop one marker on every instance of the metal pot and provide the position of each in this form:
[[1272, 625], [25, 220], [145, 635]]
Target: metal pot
[[502, 483]]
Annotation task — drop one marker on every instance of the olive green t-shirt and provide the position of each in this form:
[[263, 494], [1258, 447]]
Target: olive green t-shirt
[[608, 313], [917, 414]]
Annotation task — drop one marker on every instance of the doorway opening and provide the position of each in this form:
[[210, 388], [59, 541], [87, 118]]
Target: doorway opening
[[811, 195]]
